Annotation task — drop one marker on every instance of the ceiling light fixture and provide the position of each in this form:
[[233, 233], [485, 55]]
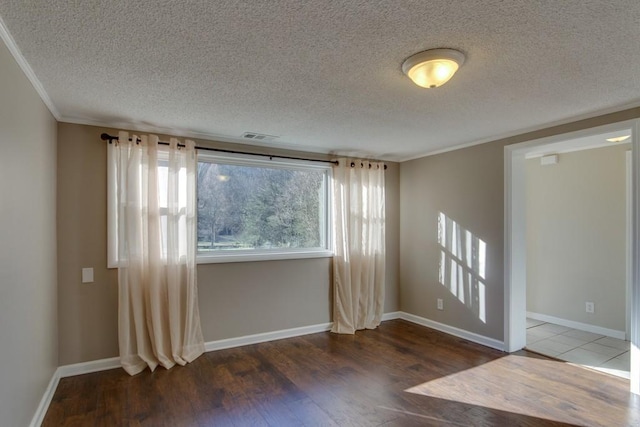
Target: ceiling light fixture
[[619, 138], [433, 68]]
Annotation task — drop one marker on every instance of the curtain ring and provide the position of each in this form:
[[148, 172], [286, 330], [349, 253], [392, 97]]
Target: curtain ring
[[353, 164]]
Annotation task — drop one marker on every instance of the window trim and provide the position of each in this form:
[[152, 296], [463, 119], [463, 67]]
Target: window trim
[[114, 260], [249, 255], [262, 255]]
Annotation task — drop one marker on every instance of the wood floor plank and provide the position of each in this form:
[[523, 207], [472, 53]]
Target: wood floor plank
[[310, 414], [400, 374], [358, 394]]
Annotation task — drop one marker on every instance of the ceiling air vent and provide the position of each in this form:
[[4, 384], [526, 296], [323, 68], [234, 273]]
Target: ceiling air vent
[[258, 136]]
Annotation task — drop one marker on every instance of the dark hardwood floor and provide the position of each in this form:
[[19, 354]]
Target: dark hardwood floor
[[400, 374]]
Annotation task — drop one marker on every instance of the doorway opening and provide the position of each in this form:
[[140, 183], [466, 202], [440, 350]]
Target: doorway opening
[[515, 232]]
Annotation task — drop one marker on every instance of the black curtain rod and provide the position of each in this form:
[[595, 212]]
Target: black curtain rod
[[110, 138], [107, 137]]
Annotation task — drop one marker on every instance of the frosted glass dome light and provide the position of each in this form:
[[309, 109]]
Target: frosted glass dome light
[[433, 68]]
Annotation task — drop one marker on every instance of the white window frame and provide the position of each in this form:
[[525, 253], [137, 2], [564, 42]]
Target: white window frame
[[113, 257], [224, 256]]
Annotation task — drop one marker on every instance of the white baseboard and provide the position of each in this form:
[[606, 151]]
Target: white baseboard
[[452, 330], [621, 335], [41, 411], [88, 367], [392, 316], [278, 335], [114, 362], [266, 336]]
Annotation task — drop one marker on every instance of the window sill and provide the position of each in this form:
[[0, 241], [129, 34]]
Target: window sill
[[263, 256]]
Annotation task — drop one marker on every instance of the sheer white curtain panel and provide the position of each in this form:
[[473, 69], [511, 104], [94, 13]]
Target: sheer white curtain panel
[[359, 240], [155, 195]]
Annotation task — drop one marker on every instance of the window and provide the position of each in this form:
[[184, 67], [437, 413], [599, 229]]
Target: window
[[254, 209], [171, 200], [247, 209]]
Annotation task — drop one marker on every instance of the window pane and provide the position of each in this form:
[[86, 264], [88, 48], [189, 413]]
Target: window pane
[[244, 207]]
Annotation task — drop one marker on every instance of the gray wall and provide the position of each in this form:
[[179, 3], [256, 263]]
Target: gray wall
[[28, 324], [235, 299], [468, 186], [576, 230]]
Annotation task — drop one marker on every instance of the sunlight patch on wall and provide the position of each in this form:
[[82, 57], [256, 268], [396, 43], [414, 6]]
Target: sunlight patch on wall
[[462, 266]]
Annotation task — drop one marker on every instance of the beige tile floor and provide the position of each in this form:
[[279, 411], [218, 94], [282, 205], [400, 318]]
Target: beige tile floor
[[605, 354]]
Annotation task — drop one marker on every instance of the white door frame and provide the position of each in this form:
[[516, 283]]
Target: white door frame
[[629, 240], [515, 273]]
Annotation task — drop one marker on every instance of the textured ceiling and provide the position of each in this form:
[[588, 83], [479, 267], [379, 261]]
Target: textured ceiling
[[326, 75]]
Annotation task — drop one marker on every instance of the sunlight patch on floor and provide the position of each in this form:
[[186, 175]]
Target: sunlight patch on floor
[[517, 385]]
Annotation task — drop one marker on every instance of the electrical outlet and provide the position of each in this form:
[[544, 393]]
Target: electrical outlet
[[87, 275], [440, 304], [590, 307]]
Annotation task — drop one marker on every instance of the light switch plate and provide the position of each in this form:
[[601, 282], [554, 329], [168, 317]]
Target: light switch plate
[[87, 275]]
